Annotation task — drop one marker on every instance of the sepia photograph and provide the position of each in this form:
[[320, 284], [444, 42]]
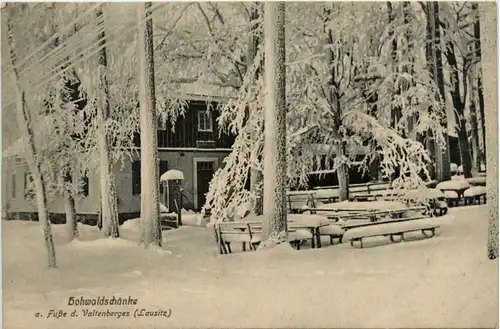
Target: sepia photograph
[[246, 164]]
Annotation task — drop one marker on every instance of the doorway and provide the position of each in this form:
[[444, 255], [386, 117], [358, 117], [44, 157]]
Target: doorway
[[204, 172]]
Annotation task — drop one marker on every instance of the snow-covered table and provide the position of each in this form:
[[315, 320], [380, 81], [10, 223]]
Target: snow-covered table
[[391, 229], [477, 181], [457, 186], [475, 193], [313, 223], [362, 206], [296, 222]]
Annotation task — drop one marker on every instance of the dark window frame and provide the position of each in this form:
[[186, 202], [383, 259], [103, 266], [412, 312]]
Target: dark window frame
[[13, 186], [205, 121], [136, 177]]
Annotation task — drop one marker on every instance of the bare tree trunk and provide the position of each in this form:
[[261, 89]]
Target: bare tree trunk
[[275, 166], [409, 68], [459, 106], [465, 154], [396, 109], [150, 203], [256, 181], [435, 62], [477, 47], [25, 124], [69, 206], [476, 152], [342, 175], [71, 225], [489, 61], [109, 207], [334, 100]]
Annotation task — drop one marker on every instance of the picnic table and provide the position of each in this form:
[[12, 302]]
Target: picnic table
[[477, 181], [313, 223], [249, 231], [361, 206], [457, 186], [377, 215]]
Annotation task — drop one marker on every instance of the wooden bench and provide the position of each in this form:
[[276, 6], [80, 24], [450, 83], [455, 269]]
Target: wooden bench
[[228, 232], [169, 221], [360, 197], [452, 198], [374, 216], [326, 195], [439, 207], [333, 230], [470, 200], [295, 237], [298, 200], [474, 194], [346, 227], [250, 234], [392, 229], [357, 191], [336, 231], [363, 188]]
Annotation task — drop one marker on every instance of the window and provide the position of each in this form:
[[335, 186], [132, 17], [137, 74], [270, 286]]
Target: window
[[136, 177], [13, 186], [204, 121], [205, 166], [163, 168], [28, 188], [85, 185]]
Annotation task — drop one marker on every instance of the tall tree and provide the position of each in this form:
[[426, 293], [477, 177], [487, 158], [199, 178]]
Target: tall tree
[[255, 40], [67, 92], [489, 63], [310, 116], [32, 157], [461, 61], [459, 103], [474, 122], [333, 98], [480, 91], [275, 167], [109, 208], [150, 204], [435, 62]]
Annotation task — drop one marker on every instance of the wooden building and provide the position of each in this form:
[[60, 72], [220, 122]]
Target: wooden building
[[194, 147]]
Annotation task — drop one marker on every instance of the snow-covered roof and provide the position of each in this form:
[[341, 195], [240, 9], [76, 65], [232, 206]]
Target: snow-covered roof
[[172, 174], [205, 92]]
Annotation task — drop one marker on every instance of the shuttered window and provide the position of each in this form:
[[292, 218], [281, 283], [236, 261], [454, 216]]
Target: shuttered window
[[136, 177]]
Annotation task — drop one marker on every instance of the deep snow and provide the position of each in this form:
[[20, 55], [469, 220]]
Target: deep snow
[[446, 281]]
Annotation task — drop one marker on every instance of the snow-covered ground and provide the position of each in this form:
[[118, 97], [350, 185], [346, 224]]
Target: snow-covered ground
[[446, 281]]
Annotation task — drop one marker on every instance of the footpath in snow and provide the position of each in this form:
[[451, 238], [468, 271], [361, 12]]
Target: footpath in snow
[[446, 281]]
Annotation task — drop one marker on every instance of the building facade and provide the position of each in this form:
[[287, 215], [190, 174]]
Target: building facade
[[194, 147]]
